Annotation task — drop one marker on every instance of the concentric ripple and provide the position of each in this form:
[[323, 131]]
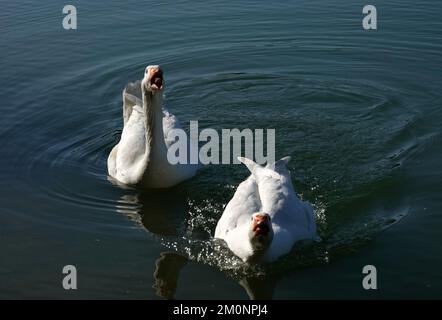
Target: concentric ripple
[[357, 111], [342, 136]]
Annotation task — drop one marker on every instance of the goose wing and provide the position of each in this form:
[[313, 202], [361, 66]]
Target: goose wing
[[240, 208], [131, 97], [170, 122]]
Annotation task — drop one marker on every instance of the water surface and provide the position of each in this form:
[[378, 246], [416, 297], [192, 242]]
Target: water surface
[[358, 111]]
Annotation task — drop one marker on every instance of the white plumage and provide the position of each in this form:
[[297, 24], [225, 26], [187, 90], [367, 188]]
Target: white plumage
[[140, 158], [267, 199]]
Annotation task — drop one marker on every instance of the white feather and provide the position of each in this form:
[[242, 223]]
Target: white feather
[[269, 190], [140, 158]]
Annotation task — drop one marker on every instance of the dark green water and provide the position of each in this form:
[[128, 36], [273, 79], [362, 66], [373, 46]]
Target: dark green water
[[359, 112]]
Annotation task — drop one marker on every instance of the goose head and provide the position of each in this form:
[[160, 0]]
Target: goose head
[[153, 80], [261, 231]]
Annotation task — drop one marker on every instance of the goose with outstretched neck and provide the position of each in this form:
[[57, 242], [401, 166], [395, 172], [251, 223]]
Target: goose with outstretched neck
[[265, 218], [140, 158]]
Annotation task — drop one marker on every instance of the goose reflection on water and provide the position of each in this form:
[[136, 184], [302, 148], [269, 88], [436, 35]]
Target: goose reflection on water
[[169, 265], [167, 270], [165, 213]]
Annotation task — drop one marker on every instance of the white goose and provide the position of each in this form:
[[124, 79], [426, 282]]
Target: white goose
[[265, 217], [140, 158]]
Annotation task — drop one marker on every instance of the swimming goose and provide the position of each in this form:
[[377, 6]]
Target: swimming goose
[[265, 218], [140, 158]]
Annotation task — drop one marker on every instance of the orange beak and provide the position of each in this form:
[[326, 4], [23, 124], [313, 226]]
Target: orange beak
[[261, 224], [156, 78]]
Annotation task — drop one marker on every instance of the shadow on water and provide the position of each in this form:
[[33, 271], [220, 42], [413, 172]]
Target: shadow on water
[[165, 214], [167, 271], [169, 265]]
